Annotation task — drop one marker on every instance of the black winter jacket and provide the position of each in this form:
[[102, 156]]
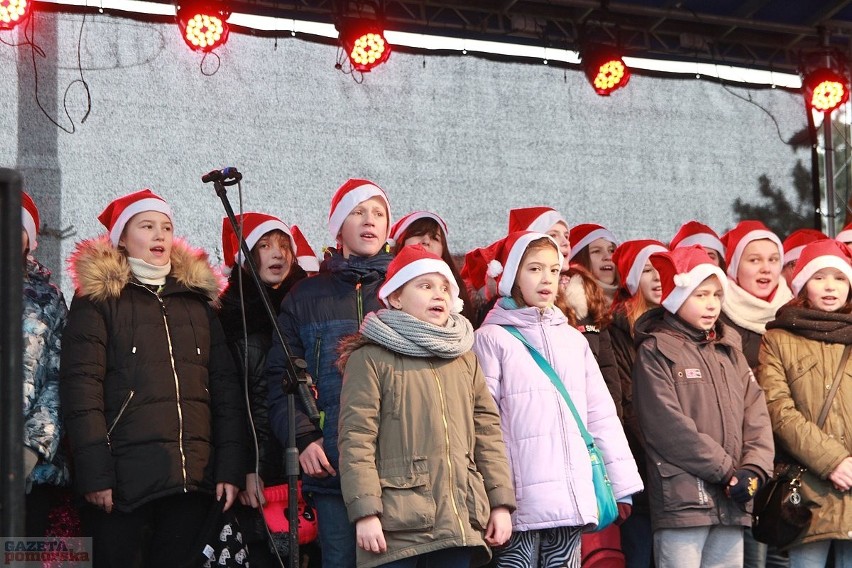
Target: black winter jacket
[[149, 394], [259, 330]]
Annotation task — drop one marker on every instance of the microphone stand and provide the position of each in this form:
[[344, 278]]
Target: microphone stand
[[295, 379]]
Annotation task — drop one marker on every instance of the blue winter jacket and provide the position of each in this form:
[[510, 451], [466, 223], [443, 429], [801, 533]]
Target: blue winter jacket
[[314, 316], [43, 320]]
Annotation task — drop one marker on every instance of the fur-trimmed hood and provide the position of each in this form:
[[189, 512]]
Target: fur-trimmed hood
[[99, 270]]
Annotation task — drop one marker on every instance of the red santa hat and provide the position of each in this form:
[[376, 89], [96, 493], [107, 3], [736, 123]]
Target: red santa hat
[[537, 219], [400, 226], [305, 255], [826, 253], [255, 225], [474, 270], [350, 194], [739, 237], [119, 211], [583, 235], [682, 270], [695, 233], [630, 258], [414, 261], [796, 241], [845, 235], [504, 267], [30, 219]]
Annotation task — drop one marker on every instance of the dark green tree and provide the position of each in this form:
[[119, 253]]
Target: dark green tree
[[780, 209]]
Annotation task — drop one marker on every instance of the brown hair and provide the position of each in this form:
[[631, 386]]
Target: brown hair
[[584, 259], [631, 306], [429, 226], [286, 244], [538, 244], [599, 312], [802, 301]]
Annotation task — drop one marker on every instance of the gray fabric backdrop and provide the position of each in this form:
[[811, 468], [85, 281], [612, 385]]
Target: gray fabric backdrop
[[466, 137]]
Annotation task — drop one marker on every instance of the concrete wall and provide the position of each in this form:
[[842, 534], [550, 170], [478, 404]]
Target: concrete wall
[[466, 137]]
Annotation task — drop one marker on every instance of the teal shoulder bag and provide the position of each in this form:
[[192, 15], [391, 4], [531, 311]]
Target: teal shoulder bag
[[607, 506]]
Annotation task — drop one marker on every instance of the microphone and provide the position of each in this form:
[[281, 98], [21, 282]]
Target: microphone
[[223, 174]]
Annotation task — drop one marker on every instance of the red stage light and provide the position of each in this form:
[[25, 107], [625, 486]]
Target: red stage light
[[605, 71], [13, 12], [204, 27], [365, 44], [825, 89]]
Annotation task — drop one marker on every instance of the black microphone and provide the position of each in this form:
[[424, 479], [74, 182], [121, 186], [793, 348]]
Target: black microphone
[[223, 174]]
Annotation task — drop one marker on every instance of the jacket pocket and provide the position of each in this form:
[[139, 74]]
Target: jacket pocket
[[682, 490], [477, 499], [407, 500], [317, 357], [125, 403], [800, 368]]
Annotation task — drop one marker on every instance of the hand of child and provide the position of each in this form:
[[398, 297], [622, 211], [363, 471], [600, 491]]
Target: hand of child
[[101, 499], [743, 485], [369, 535], [253, 495], [229, 491], [624, 510], [841, 477], [314, 462], [499, 527]]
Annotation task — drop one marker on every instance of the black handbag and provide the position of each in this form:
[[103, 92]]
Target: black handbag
[[779, 516]]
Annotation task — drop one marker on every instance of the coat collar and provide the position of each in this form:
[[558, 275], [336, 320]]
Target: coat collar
[[100, 271]]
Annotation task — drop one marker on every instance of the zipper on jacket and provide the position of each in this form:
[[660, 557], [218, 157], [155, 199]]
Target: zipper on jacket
[[317, 346], [177, 382], [118, 416], [449, 458], [359, 301]]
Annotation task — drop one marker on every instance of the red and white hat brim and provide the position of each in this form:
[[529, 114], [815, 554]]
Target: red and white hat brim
[[308, 263], [349, 201], [817, 264], [257, 233], [30, 227], [749, 237], [844, 236], [590, 238], [510, 268], [705, 240], [686, 283], [545, 221], [406, 222], [147, 204], [638, 266], [418, 268]]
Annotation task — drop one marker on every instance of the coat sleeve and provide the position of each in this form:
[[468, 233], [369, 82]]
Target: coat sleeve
[[82, 370], [227, 410], [489, 355], [489, 451], [43, 425], [605, 428], [606, 361], [796, 435], [758, 445], [360, 407], [668, 431], [276, 363]]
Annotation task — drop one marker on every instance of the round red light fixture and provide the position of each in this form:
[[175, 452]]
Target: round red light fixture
[[204, 27], [13, 12], [825, 89]]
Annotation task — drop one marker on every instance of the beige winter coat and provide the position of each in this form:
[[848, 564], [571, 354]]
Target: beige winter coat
[[796, 374], [421, 447]]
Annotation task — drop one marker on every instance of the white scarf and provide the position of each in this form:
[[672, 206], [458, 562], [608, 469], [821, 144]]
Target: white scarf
[[749, 311], [149, 273]]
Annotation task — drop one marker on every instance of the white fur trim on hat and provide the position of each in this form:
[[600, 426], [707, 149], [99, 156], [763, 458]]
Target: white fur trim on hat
[[844, 236], [817, 264], [590, 238], [417, 268], [638, 266], [687, 282], [495, 269], [349, 201], [793, 254], [749, 237], [545, 221], [30, 228], [705, 240], [147, 204], [258, 232], [510, 269], [308, 263]]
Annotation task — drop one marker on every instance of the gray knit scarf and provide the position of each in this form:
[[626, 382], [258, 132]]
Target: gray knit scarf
[[405, 334]]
